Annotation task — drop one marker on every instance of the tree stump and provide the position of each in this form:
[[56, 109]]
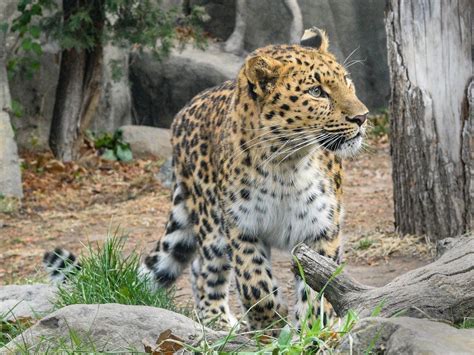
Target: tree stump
[[442, 290], [10, 174], [430, 60]]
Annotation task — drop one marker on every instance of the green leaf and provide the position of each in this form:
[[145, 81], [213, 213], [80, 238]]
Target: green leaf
[[35, 32], [36, 47], [109, 155], [285, 336], [378, 309], [105, 141], [17, 109], [26, 44], [124, 153], [4, 27]]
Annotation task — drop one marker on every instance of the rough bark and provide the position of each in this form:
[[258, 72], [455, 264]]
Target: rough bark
[[78, 91], [429, 53], [10, 175], [442, 290]]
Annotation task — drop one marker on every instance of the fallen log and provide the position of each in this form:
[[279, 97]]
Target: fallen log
[[442, 290]]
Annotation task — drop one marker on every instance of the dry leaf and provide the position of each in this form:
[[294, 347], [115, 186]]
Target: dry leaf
[[166, 344]]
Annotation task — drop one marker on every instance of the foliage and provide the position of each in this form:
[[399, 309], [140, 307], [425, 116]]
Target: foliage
[[106, 276], [467, 323], [9, 329], [380, 125], [112, 146], [133, 24], [9, 204]]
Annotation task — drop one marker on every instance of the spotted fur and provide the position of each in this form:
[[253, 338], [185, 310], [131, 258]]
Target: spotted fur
[[257, 163]]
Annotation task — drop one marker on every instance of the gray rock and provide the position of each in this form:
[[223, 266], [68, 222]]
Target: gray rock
[[165, 175], [112, 328], [147, 141], [263, 22], [356, 25], [405, 335], [222, 16], [351, 25], [26, 300], [161, 89]]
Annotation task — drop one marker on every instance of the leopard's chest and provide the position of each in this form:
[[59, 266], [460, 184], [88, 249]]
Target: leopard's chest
[[287, 207]]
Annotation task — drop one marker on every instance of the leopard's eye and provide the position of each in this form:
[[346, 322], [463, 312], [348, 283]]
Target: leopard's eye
[[317, 92]]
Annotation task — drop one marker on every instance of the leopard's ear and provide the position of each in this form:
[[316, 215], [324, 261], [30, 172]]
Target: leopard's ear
[[262, 73], [316, 38]]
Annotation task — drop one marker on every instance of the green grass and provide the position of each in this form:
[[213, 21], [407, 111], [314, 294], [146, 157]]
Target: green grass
[[9, 329], [364, 243], [468, 323], [107, 276], [73, 343]]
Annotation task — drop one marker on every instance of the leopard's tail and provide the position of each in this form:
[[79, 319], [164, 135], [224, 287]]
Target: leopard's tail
[[177, 248], [60, 264]]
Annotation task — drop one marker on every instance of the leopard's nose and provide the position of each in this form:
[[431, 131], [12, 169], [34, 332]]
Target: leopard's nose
[[359, 119]]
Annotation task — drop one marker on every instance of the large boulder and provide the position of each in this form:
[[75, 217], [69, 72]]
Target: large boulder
[[405, 335], [17, 301], [221, 16], [263, 22], [146, 141], [161, 89], [113, 328]]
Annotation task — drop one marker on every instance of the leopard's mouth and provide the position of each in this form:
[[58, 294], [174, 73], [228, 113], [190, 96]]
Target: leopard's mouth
[[341, 144]]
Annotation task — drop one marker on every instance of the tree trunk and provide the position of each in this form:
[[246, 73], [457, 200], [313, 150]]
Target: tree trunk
[[442, 290], [429, 53], [78, 91], [10, 175]]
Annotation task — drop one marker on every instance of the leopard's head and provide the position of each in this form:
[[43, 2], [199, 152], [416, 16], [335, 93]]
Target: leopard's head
[[305, 98]]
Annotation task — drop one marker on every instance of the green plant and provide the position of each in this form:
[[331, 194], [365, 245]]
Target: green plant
[[365, 243], [9, 204], [73, 343], [467, 323], [10, 328], [112, 146], [106, 276], [379, 125]]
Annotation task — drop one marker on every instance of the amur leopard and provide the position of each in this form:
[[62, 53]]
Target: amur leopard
[[257, 165]]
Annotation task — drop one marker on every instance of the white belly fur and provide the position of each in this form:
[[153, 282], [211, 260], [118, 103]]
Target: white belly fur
[[283, 222]]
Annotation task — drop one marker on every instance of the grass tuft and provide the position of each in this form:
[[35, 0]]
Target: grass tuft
[[107, 276], [365, 243]]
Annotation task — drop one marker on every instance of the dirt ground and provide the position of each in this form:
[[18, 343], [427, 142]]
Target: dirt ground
[[69, 205]]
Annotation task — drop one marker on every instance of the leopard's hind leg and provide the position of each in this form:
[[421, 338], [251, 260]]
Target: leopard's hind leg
[[175, 251]]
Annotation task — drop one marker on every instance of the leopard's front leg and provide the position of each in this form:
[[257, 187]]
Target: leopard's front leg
[[309, 304], [258, 289]]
